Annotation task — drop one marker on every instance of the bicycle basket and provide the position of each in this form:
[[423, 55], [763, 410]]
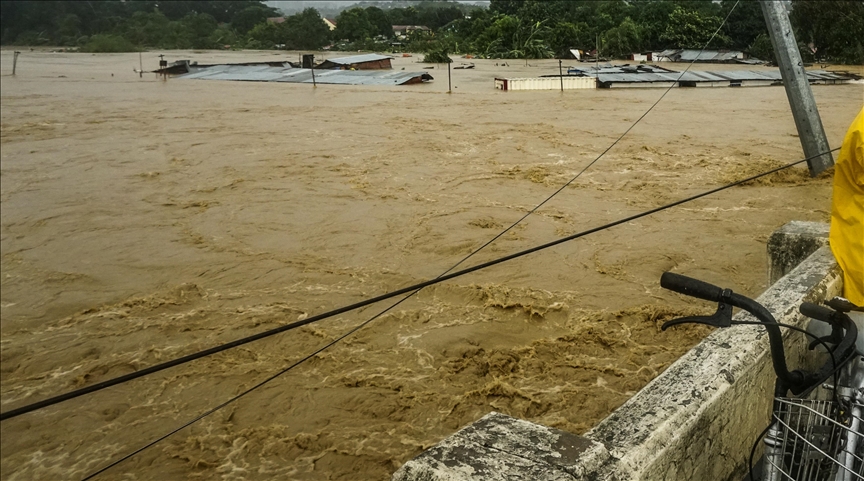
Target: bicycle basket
[[817, 439]]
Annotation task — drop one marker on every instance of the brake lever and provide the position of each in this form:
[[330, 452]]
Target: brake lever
[[721, 318]]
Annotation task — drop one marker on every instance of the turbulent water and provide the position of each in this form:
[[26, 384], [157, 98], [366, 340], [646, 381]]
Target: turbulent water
[[145, 219]]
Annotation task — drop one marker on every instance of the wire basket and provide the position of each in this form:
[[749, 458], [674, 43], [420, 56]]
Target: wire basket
[[817, 440]]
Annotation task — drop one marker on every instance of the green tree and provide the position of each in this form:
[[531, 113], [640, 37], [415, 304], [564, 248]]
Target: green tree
[[354, 25], [246, 19], [762, 48], [107, 43], [264, 36], [689, 29], [653, 17], [304, 31], [68, 28], [197, 28], [744, 25], [439, 54], [511, 37], [380, 22], [622, 40], [566, 35], [506, 7], [835, 29]]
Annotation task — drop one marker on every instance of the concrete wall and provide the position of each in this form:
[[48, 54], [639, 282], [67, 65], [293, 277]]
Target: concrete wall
[[545, 83], [697, 420]]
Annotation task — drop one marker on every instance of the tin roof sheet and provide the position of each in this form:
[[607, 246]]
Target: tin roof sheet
[[371, 57], [265, 73], [619, 75]]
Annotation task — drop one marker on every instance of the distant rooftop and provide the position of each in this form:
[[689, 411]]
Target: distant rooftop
[[372, 57]]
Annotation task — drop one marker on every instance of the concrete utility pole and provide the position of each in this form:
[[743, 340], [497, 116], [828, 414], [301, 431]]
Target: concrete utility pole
[[807, 120]]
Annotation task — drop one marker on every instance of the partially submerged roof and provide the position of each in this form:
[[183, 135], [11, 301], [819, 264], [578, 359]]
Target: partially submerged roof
[[265, 73], [371, 57], [709, 56], [645, 74]]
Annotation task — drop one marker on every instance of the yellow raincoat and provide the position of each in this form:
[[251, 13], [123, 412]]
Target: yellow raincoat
[[847, 211]]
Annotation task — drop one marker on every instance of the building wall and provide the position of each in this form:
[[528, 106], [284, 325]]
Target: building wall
[[545, 83], [374, 65]]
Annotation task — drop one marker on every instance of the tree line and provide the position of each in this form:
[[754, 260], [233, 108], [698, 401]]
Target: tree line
[[826, 29]]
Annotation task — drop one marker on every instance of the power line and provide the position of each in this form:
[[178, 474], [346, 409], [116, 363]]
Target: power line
[[207, 352], [443, 278]]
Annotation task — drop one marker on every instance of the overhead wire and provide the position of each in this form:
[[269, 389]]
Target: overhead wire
[[408, 290], [443, 278]]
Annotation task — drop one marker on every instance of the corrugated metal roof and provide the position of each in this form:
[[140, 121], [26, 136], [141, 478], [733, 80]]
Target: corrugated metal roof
[[259, 73], [708, 56], [372, 57], [619, 75]]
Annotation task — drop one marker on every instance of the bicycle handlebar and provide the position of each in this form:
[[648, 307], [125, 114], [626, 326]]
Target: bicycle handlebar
[[813, 311], [690, 286], [797, 381]]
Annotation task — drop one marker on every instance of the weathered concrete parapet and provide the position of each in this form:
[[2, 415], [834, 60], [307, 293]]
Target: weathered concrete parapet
[[498, 447], [700, 417], [789, 245], [697, 420]]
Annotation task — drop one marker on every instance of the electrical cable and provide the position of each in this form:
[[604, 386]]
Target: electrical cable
[[463, 260], [442, 278], [590, 164], [184, 359], [190, 357]]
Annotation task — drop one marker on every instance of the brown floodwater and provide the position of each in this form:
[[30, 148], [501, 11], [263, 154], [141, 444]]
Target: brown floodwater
[[145, 219]]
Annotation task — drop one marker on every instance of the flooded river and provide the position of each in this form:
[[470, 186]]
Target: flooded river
[[145, 219]]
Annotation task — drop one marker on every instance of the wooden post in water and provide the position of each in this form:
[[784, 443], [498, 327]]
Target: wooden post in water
[[449, 81], [597, 55], [561, 74], [14, 61], [804, 111], [140, 66]]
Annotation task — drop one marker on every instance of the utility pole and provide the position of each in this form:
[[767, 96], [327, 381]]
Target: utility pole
[[807, 120]]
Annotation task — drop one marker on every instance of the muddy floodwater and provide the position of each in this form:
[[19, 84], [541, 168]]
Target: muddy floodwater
[[145, 219]]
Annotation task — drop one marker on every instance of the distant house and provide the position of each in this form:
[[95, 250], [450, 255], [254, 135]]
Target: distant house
[[402, 31], [642, 57], [371, 61], [331, 24], [275, 19]]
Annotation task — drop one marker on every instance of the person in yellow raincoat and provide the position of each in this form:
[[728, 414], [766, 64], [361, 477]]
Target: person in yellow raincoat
[[847, 212]]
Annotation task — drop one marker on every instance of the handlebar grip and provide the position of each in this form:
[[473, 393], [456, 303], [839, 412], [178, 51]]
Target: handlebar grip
[[689, 286], [814, 311]]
